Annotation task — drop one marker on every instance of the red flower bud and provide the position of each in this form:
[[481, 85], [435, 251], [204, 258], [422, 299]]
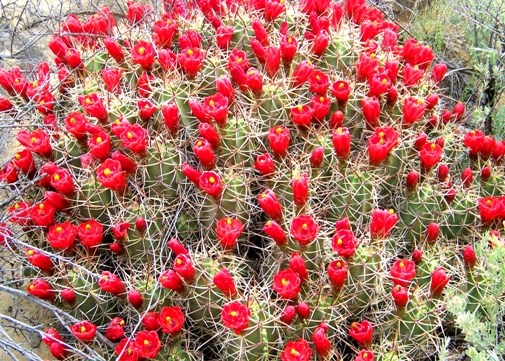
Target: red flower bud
[[270, 204], [439, 280], [321, 342], [140, 224], [342, 142], [417, 256], [300, 188], [225, 283], [111, 283], [135, 298], [432, 232], [316, 157], [303, 310], [412, 180], [115, 329], [442, 172], [288, 314], [209, 133], [485, 173], [265, 164], [297, 264], [400, 296], [469, 256], [439, 72], [191, 173], [39, 260], [467, 177], [171, 280], [279, 139], [150, 321], [204, 152], [371, 110], [275, 231], [177, 247]]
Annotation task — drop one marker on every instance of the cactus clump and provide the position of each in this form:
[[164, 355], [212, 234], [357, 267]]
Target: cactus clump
[[251, 180]]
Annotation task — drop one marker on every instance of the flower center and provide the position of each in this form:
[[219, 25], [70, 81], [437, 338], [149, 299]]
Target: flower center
[[146, 342], [341, 85], [365, 355], [129, 135], [56, 177], [284, 282], [168, 319], [106, 172], [30, 252], [339, 241], [402, 264], [321, 99], [199, 143], [88, 226], [228, 221], [290, 40], [82, 329], [278, 130], [212, 180], [339, 264], [233, 313], [304, 226], [59, 229], [190, 52], [41, 206], [142, 51], [432, 146], [18, 156], [211, 103], [88, 100], [98, 140], [340, 130], [384, 81], [300, 108], [179, 262], [72, 120], [240, 60], [34, 140], [391, 211], [293, 351]]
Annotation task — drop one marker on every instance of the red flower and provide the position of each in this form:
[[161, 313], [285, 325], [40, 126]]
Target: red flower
[[342, 142], [382, 222], [301, 115], [469, 256], [204, 152], [400, 296], [171, 320], [19, 213], [344, 243], [278, 139], [301, 73], [136, 12], [9, 173], [297, 351], [58, 351], [297, 264], [337, 273], [439, 279], [172, 281], [273, 8], [442, 172], [225, 283], [413, 110], [135, 298], [147, 344], [319, 82], [320, 107], [25, 162], [167, 59], [191, 173], [432, 232], [235, 316], [361, 332], [143, 53], [68, 295], [45, 103], [228, 231], [430, 154], [94, 107], [264, 164], [211, 184], [146, 109], [458, 111], [115, 329], [371, 110], [62, 235], [316, 157], [438, 72], [5, 104], [110, 175], [37, 141], [288, 314], [490, 209], [224, 35], [321, 342], [260, 32], [120, 230], [41, 289], [150, 321], [99, 144], [272, 229], [287, 284], [270, 204], [412, 180], [303, 310], [184, 267], [304, 229], [75, 124], [341, 91], [364, 355], [467, 177], [272, 60], [39, 260], [402, 272], [412, 75], [163, 32], [216, 107], [432, 101], [300, 187], [111, 78], [90, 233], [170, 112], [134, 137], [42, 214], [114, 49], [321, 42], [84, 331], [191, 60], [126, 348], [111, 283], [177, 247], [379, 84], [225, 87]]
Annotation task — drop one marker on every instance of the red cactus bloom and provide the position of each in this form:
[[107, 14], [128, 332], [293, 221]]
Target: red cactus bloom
[[442, 172], [5, 105], [485, 173], [216, 107], [303, 310], [120, 230], [382, 222], [413, 110], [135, 298], [111, 175], [341, 140], [62, 235], [371, 110], [224, 35], [39, 260], [172, 281], [412, 180], [111, 78], [272, 60], [300, 188], [432, 101], [301, 73], [439, 279], [400, 296], [143, 54], [45, 103], [114, 49], [99, 144], [432, 232], [37, 141], [316, 157], [76, 124], [287, 284], [321, 42], [225, 87], [412, 75], [430, 154], [235, 316], [24, 161], [42, 214], [473, 140], [260, 32], [279, 139], [438, 72], [301, 115], [41, 289], [150, 321], [136, 12], [170, 113], [319, 82], [209, 133], [204, 152], [490, 209], [469, 256], [380, 144], [487, 147], [94, 107], [211, 184], [176, 247], [56, 200], [275, 231], [273, 8], [163, 32], [297, 351], [9, 173], [254, 81], [297, 264], [171, 320], [341, 90], [289, 46], [68, 296], [225, 283], [183, 266], [147, 344], [344, 243], [270, 204], [320, 107], [134, 137], [379, 84], [84, 331], [58, 351], [228, 230], [459, 110], [288, 314], [304, 229], [115, 329], [146, 109], [402, 272], [126, 348], [111, 283], [191, 61], [366, 66], [264, 164], [90, 233], [191, 173], [337, 273], [19, 213], [361, 332], [190, 38], [320, 340], [364, 355]]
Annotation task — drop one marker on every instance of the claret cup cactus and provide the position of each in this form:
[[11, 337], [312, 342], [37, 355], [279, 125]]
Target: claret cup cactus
[[245, 180]]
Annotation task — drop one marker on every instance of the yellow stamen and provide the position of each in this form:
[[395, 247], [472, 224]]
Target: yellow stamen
[[433, 146], [402, 264], [365, 355], [420, 101], [284, 282], [339, 241], [59, 229], [240, 60], [278, 130], [72, 120], [30, 252], [106, 172], [88, 100], [381, 134], [339, 264], [233, 313], [34, 140], [290, 40], [228, 221], [142, 51], [340, 130], [41, 206], [293, 351], [146, 342], [129, 135], [300, 108], [263, 195], [212, 180], [190, 52], [488, 202], [384, 81], [199, 143], [179, 262], [56, 177], [88, 226], [341, 85], [211, 103], [17, 156], [32, 287], [321, 99], [98, 140], [83, 329], [318, 77], [304, 226], [391, 211], [168, 319]]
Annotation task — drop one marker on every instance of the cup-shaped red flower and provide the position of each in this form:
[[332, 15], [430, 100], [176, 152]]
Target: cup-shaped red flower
[[25, 162], [344, 243], [39, 260], [42, 214], [270, 204], [275, 231], [430, 154], [380, 144], [301, 115], [111, 283], [279, 139], [41, 289], [147, 344], [111, 175], [171, 319], [382, 223], [93, 106], [320, 107], [337, 273], [171, 280], [126, 348], [111, 78], [319, 82], [490, 209], [400, 296], [235, 316], [264, 164], [115, 329], [210, 182], [146, 109], [439, 279], [76, 124], [321, 342], [301, 73], [300, 187], [205, 153], [114, 49], [90, 233], [361, 332], [304, 229], [228, 230], [163, 32], [225, 283], [402, 272], [191, 60], [341, 140], [170, 112], [62, 235], [413, 110], [297, 351], [341, 91], [364, 355], [84, 331], [288, 47], [371, 110], [287, 284], [37, 141], [134, 137], [216, 107], [297, 264], [143, 54], [183, 266]]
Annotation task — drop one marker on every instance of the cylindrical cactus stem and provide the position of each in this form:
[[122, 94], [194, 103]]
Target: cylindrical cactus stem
[[237, 143], [95, 201], [460, 217], [271, 109], [236, 199], [69, 149]]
